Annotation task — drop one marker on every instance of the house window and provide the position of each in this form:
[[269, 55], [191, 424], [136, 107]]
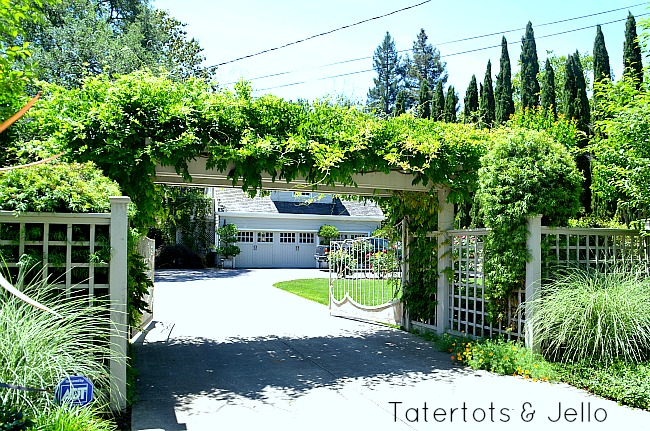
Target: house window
[[287, 237], [264, 236], [245, 236], [341, 237], [358, 235], [306, 238]]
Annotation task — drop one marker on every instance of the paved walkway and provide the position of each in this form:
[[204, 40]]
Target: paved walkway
[[228, 351]]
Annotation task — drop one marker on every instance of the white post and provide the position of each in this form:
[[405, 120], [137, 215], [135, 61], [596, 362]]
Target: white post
[[445, 223], [118, 279], [533, 274], [406, 319]]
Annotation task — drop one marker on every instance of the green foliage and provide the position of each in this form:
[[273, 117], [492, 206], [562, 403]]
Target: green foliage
[[137, 287], [13, 420], [625, 383], [341, 262], [502, 357], [620, 173], [558, 64], [585, 315], [437, 103], [227, 237], [328, 232], [186, 211], [602, 68], [504, 104], [387, 62], [73, 419], [384, 264], [525, 173], [529, 69], [486, 102], [57, 187], [576, 103], [424, 100], [38, 348], [543, 120], [426, 64]]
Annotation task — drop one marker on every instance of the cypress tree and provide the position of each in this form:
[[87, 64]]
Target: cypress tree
[[575, 93], [451, 105], [424, 100], [601, 57], [632, 64], [548, 89], [529, 69], [400, 103], [438, 102], [470, 102], [486, 103], [504, 104]]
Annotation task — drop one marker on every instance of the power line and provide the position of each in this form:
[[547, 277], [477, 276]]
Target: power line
[[462, 52], [444, 43], [322, 34]]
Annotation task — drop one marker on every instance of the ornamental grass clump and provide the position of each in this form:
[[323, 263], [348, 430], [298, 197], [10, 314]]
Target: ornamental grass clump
[[38, 349], [585, 315]]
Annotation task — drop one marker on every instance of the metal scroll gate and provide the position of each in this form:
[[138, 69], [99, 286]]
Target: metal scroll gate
[[366, 279]]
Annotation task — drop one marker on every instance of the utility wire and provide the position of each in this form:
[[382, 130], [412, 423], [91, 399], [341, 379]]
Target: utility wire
[[461, 52], [272, 75], [322, 34]]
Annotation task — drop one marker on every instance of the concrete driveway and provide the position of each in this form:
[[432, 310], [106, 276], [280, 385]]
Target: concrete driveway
[[228, 351]]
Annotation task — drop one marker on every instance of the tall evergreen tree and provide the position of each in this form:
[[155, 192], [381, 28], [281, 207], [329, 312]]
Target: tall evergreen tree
[[386, 62], [504, 104], [632, 64], [529, 69], [426, 63], [486, 102], [601, 57], [451, 105], [575, 93], [470, 109], [548, 89], [400, 103], [424, 100], [438, 102]]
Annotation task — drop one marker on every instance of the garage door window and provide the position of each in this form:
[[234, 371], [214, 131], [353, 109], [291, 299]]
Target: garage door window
[[264, 236], [287, 237], [245, 236], [306, 238]]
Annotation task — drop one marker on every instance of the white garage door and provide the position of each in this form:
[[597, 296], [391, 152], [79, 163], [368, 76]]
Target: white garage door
[[276, 249]]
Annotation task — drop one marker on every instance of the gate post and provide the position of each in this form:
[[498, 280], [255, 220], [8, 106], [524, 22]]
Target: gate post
[[445, 223], [533, 275], [118, 280]]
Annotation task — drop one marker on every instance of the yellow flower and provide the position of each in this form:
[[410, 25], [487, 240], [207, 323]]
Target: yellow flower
[[534, 365], [490, 353], [505, 359], [534, 379]]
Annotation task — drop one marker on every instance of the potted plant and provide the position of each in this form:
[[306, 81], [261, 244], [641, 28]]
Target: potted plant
[[227, 249]]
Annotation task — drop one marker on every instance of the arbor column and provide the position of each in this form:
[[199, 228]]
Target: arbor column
[[533, 275], [117, 282], [445, 223]]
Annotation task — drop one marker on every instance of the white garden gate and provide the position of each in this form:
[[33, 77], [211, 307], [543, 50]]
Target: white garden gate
[[366, 280]]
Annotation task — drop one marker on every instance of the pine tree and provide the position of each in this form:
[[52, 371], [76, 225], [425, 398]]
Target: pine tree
[[426, 64], [504, 104], [529, 69], [632, 64], [548, 89], [486, 103], [386, 63], [451, 105], [424, 100], [470, 102], [601, 57], [438, 103], [400, 103]]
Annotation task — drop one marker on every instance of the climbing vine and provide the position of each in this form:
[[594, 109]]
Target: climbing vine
[[524, 173]]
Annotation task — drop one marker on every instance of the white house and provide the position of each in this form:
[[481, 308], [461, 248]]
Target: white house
[[281, 230]]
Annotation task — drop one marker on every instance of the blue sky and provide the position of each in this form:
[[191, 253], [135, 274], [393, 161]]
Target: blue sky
[[230, 29]]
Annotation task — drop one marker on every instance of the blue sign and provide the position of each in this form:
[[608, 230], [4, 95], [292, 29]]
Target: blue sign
[[74, 390]]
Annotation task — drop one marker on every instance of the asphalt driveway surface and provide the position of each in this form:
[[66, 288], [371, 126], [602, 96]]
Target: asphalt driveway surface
[[228, 351]]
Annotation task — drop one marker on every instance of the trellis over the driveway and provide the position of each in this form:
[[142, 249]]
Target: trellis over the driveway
[[373, 183]]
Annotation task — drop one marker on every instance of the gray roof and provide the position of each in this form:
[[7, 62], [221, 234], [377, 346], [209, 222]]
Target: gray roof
[[235, 200]]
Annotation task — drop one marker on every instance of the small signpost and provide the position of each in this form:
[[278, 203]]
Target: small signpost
[[74, 391]]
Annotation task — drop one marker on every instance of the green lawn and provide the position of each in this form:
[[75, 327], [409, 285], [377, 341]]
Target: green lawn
[[364, 291]]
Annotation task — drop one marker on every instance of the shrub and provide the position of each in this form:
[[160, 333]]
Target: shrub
[[39, 348], [227, 238], [178, 256], [58, 187], [588, 316], [328, 232]]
